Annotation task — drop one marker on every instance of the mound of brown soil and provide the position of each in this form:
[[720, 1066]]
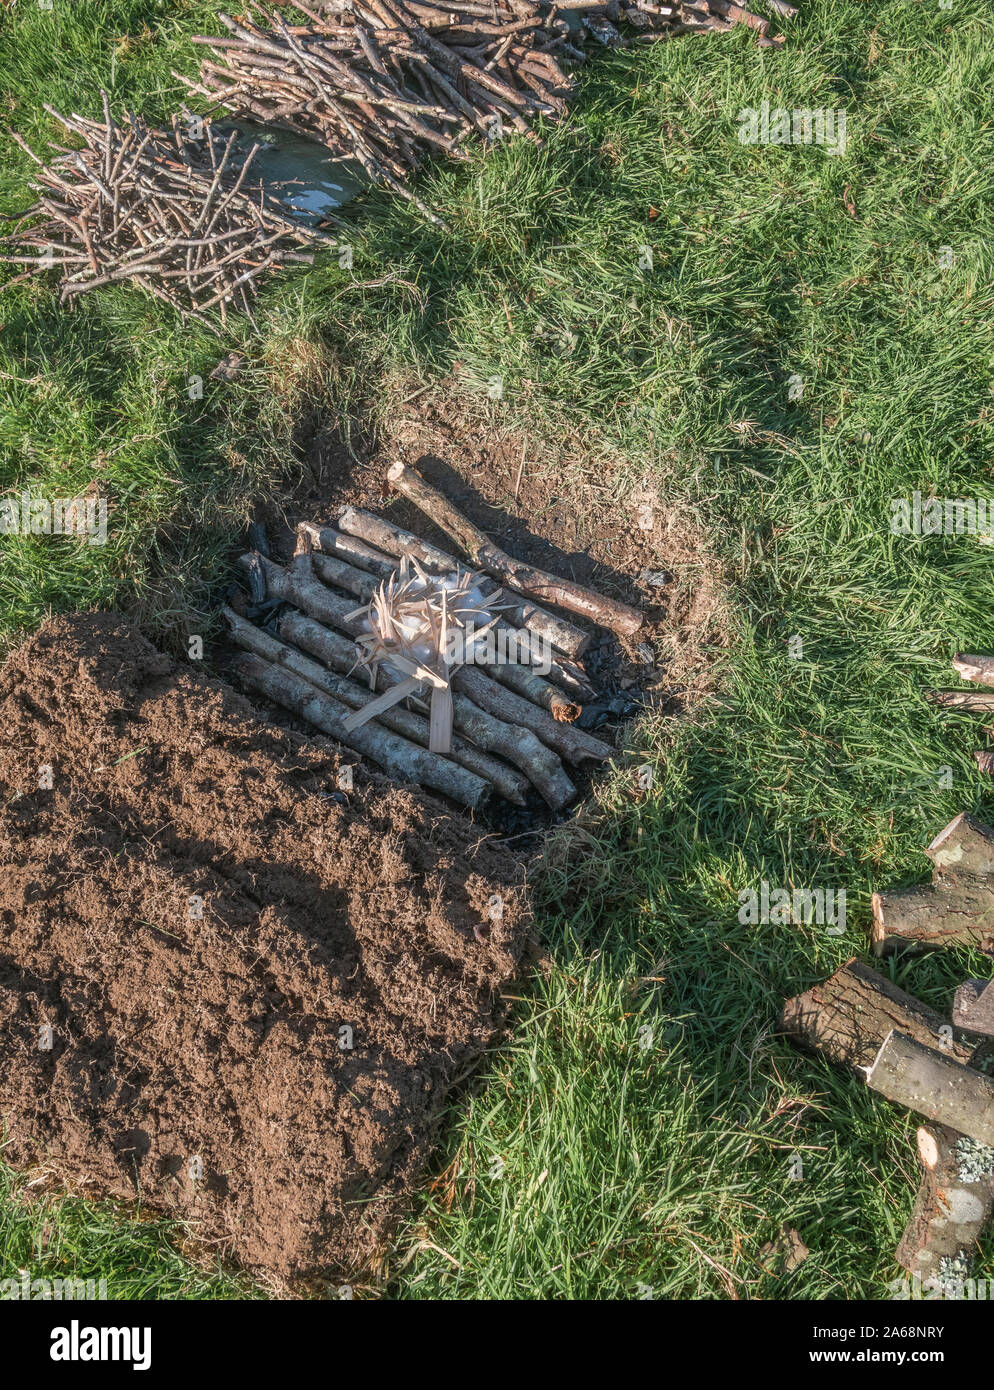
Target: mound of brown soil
[[260, 990]]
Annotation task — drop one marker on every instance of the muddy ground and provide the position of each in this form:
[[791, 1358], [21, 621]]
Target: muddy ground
[[225, 984]]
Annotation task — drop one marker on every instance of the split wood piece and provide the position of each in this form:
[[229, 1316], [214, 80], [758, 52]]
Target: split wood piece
[[524, 579], [953, 1206], [848, 1016], [933, 1084], [510, 784], [394, 540], [957, 908], [964, 847], [973, 1007], [568, 741], [518, 746], [299, 587], [517, 676], [403, 760], [970, 700], [979, 669]]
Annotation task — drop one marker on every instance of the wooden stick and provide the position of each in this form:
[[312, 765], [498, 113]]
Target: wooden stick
[[402, 760], [934, 1085], [510, 784], [970, 700], [953, 1206], [848, 1016], [518, 746], [393, 540], [516, 575], [568, 741]]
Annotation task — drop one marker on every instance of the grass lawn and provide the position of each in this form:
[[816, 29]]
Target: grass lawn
[[638, 1137]]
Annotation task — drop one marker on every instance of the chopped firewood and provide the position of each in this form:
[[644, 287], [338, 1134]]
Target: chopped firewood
[[515, 574], [975, 668], [953, 1205], [957, 908], [848, 1016], [395, 755], [933, 1084], [510, 784], [973, 1007], [969, 700], [178, 217], [518, 746]]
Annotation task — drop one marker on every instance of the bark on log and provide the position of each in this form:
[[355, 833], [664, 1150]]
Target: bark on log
[[519, 746], [514, 574], [965, 846], [569, 742], [973, 1007], [394, 540], [952, 1207], [932, 1084], [340, 551], [847, 1018], [954, 913], [509, 783], [401, 759]]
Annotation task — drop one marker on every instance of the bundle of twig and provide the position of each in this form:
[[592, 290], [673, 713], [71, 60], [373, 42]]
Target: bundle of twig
[[388, 80], [179, 217], [425, 628]]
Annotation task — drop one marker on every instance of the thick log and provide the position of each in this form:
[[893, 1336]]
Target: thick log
[[931, 1083], [514, 574], [848, 1016], [973, 1007], [953, 1205], [403, 760], [394, 540], [510, 784], [954, 913], [964, 846], [519, 746]]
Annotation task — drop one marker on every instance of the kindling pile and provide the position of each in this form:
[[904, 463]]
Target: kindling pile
[[378, 82], [176, 216], [479, 686]]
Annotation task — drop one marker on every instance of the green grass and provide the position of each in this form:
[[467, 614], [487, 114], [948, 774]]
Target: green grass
[[597, 1159]]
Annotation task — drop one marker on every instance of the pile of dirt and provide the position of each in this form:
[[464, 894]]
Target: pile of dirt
[[260, 990]]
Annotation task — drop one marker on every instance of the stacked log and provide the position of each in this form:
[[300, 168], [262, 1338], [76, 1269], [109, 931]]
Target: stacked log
[[907, 1052], [511, 708]]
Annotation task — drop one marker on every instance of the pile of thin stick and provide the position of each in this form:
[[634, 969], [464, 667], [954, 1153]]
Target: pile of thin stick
[[176, 216], [385, 81], [500, 713]]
